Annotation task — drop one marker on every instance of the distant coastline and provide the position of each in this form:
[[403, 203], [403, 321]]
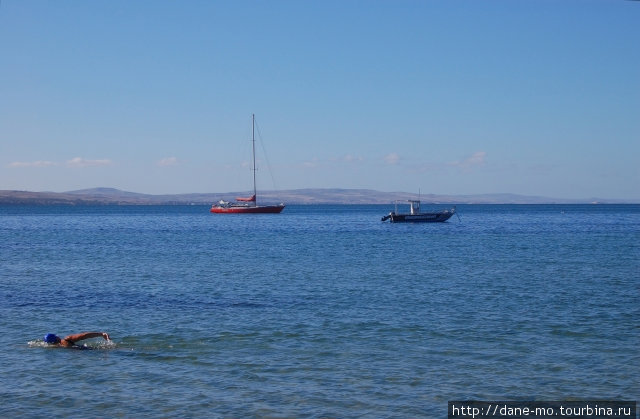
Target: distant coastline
[[111, 196]]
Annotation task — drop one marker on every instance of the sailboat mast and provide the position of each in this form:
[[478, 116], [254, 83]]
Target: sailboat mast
[[253, 144]]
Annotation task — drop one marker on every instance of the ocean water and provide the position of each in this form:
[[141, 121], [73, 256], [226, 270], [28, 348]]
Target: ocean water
[[321, 311]]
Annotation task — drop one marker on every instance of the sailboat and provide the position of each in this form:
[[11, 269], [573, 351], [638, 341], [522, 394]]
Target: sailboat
[[247, 205]]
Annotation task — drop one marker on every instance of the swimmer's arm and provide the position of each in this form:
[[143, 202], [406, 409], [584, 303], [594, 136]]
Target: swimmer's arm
[[86, 335]]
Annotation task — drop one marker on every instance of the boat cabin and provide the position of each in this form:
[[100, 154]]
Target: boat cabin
[[415, 207]]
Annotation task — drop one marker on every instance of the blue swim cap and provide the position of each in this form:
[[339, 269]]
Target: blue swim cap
[[51, 338]]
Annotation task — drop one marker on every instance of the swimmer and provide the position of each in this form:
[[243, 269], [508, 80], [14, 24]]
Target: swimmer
[[70, 341]]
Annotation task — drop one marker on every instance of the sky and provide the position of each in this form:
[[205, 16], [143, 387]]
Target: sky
[[533, 97]]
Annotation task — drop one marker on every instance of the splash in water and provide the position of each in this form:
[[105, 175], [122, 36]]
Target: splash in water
[[105, 345]]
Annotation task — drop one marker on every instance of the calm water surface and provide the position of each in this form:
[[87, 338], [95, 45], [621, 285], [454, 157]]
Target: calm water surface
[[321, 311]]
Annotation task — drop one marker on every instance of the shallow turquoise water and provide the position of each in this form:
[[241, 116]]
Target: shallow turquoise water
[[321, 311]]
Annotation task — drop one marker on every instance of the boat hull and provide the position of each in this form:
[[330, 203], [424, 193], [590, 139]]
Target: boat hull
[[258, 209], [423, 217], [428, 217], [416, 216]]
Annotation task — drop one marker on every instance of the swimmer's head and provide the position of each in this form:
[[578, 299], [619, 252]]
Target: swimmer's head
[[51, 338]]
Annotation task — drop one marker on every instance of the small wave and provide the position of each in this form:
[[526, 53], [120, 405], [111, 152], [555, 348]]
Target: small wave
[[246, 304]]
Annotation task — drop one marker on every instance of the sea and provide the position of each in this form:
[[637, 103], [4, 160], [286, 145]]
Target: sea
[[318, 312]]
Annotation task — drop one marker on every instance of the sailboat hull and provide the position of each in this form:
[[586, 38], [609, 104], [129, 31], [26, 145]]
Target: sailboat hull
[[258, 209]]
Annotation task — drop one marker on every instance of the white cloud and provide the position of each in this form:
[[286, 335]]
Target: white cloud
[[349, 158], [75, 162], [312, 163], [38, 163], [80, 162], [475, 160], [392, 158], [168, 161]]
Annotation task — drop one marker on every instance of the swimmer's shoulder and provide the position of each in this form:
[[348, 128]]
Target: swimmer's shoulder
[[67, 344]]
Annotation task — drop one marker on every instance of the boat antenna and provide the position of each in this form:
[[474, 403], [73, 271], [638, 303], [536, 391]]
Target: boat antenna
[[253, 146]]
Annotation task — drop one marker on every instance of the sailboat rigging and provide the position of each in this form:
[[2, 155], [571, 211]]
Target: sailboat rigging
[[247, 205]]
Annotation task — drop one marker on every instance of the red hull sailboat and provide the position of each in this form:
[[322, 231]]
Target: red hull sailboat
[[247, 205]]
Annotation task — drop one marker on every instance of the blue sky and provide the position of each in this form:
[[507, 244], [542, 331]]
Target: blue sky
[[535, 97]]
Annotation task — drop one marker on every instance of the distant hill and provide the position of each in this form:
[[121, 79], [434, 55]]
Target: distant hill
[[111, 196]]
